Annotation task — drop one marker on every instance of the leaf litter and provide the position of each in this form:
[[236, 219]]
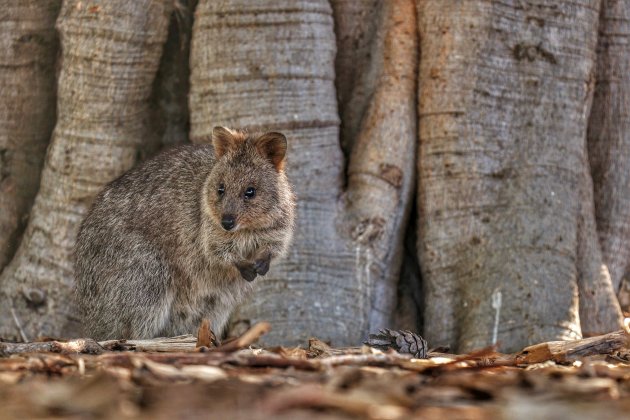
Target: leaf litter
[[393, 376]]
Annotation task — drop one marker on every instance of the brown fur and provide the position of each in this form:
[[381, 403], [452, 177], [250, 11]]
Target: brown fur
[[152, 257]]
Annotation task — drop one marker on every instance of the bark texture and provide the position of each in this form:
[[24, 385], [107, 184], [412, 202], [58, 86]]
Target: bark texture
[[410, 302], [170, 95], [28, 49], [282, 54], [599, 308], [367, 55], [381, 168], [609, 138], [102, 116], [355, 30], [505, 96]]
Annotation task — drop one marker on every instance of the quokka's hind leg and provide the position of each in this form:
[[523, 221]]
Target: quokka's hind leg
[[131, 291], [146, 296]]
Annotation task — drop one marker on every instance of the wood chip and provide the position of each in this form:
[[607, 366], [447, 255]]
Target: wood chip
[[205, 336], [247, 339]]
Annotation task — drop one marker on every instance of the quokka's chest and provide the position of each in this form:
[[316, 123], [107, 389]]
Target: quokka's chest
[[220, 288]]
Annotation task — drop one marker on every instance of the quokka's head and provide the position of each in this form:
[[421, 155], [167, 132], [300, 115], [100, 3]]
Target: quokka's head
[[247, 188]]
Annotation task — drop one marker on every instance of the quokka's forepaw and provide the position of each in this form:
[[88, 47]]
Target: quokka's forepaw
[[247, 270], [262, 265]]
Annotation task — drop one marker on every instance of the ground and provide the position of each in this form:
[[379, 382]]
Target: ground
[[184, 377]]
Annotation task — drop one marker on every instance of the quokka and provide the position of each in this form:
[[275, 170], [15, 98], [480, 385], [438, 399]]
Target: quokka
[[181, 237]]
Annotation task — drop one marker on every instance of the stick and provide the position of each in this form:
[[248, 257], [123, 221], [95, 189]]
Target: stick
[[496, 305], [19, 325], [81, 345], [181, 343], [248, 338], [568, 351]]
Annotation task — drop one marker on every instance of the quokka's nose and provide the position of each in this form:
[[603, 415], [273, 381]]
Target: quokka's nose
[[227, 221]]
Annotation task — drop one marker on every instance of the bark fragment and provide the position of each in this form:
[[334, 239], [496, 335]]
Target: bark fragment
[[569, 351], [402, 341]]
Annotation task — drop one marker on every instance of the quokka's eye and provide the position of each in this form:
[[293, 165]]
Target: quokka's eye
[[250, 192], [221, 189]]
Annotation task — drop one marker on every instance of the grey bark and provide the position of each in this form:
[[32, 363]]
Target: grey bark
[[609, 138], [170, 94], [624, 294], [599, 308], [356, 34], [503, 110], [381, 171], [408, 314], [28, 49], [270, 65], [600, 311], [102, 117]]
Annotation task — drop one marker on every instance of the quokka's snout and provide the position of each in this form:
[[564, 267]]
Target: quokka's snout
[[228, 221]]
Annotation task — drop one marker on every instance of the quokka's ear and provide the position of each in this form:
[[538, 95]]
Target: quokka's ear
[[273, 146], [223, 140]]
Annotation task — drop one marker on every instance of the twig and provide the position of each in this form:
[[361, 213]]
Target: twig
[[273, 360], [318, 348], [19, 325], [186, 372], [384, 359], [248, 338], [82, 345], [496, 305], [181, 343], [124, 359], [486, 357]]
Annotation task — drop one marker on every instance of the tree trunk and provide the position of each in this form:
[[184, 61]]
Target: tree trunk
[[600, 311], [408, 314], [170, 94], [28, 49], [111, 50], [381, 171], [599, 308], [503, 110], [270, 65], [360, 31], [355, 31], [609, 138]]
